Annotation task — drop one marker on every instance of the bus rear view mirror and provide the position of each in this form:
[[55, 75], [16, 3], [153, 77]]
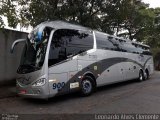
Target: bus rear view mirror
[[15, 43]]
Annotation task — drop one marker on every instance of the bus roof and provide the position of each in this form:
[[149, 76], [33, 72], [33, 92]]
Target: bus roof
[[63, 25], [58, 24]]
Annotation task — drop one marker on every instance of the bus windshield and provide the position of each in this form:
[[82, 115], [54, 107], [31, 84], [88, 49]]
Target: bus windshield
[[34, 50]]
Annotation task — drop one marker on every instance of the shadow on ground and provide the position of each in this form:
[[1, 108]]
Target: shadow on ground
[[64, 98]]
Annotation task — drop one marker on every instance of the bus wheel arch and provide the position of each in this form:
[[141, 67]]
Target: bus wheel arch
[[88, 85], [93, 77]]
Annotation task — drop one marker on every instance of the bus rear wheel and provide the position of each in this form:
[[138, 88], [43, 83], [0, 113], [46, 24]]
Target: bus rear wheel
[[141, 76], [146, 74], [87, 86]]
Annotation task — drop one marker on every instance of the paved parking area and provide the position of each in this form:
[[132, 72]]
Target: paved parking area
[[127, 97]]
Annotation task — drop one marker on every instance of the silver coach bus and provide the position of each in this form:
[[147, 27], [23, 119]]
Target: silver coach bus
[[59, 58]]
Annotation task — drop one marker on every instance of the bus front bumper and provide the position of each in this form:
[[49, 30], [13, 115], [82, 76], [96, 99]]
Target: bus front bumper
[[32, 92]]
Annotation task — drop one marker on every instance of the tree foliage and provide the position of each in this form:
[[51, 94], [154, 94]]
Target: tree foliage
[[127, 18], [8, 9]]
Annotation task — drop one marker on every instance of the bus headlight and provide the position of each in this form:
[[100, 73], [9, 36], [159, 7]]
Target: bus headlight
[[39, 82]]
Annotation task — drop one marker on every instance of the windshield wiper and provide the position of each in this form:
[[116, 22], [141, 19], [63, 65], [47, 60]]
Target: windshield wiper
[[27, 68]]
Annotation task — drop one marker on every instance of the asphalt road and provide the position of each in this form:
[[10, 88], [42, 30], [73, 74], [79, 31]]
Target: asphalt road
[[127, 97]]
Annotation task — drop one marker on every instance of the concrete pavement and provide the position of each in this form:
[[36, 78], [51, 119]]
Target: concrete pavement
[[7, 89]]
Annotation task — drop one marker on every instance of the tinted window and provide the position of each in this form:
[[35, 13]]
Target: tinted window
[[145, 50], [147, 53], [67, 43], [142, 49], [112, 43], [124, 46], [104, 43], [117, 43], [128, 47]]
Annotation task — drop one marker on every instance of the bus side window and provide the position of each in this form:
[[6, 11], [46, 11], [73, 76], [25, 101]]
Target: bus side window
[[67, 43], [104, 43], [57, 49], [79, 43]]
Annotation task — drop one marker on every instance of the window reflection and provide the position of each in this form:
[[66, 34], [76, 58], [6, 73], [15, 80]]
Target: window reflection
[[67, 43]]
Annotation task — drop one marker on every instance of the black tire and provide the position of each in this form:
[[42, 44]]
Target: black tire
[[147, 75], [87, 86], [141, 76]]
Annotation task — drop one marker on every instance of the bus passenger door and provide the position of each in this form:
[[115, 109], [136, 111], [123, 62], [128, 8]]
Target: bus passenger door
[[60, 76], [57, 82]]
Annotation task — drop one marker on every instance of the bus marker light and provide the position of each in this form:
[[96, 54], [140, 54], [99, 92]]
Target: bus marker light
[[79, 77], [53, 80]]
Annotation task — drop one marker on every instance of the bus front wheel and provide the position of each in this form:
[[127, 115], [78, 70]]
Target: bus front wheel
[[87, 86]]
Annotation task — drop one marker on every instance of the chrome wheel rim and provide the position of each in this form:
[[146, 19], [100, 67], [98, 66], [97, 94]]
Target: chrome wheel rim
[[86, 86]]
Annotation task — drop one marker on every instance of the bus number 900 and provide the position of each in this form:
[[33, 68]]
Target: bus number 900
[[59, 85]]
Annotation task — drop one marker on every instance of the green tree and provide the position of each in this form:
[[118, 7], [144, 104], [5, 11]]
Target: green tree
[[153, 34], [83, 12], [132, 17], [8, 9]]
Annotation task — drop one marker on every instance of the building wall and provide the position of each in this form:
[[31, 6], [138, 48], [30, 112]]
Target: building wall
[[9, 62]]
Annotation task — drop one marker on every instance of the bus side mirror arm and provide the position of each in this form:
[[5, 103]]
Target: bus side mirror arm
[[15, 43]]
